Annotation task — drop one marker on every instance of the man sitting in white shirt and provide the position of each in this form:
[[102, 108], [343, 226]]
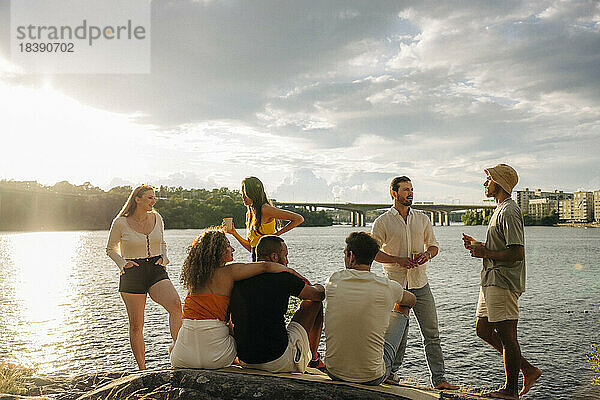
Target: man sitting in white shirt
[[362, 333]]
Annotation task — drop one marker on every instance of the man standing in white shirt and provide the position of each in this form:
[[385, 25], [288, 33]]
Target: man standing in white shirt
[[408, 243]]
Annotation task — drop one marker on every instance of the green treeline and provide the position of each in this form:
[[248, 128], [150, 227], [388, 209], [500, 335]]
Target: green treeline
[[470, 217], [547, 220], [28, 206], [312, 218]]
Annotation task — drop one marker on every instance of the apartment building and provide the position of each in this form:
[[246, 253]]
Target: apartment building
[[523, 197], [541, 207], [565, 210], [583, 206], [597, 205]]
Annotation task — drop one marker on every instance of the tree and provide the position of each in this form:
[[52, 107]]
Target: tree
[[121, 190], [312, 218], [64, 187], [93, 208], [550, 219], [470, 217], [528, 220]]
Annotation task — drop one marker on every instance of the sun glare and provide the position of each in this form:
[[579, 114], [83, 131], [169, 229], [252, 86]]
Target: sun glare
[[63, 139], [42, 290]]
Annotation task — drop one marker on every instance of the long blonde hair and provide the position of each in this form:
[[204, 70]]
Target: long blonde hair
[[130, 205], [204, 257]]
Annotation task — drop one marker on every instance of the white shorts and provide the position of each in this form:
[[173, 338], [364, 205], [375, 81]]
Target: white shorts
[[296, 356], [204, 343], [498, 304]]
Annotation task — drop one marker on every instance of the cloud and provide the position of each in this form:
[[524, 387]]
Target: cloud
[[341, 96], [303, 185]]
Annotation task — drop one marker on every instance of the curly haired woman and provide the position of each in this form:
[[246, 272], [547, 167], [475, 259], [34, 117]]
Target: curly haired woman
[[208, 274]]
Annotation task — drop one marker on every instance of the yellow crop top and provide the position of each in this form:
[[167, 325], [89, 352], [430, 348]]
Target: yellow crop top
[[266, 229]]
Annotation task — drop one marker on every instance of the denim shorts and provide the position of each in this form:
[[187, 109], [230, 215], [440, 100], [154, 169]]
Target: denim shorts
[[138, 279]]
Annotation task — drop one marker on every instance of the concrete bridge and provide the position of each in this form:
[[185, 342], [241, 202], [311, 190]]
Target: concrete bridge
[[359, 210]]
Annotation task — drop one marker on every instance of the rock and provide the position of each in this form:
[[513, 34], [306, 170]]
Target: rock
[[55, 388], [229, 383], [184, 384]]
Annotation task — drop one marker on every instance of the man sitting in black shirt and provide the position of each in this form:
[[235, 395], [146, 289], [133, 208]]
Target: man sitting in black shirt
[[258, 306]]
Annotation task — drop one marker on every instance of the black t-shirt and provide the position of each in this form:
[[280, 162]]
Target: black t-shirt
[[258, 306]]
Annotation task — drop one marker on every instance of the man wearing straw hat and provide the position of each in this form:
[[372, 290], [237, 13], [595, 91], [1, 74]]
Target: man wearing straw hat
[[503, 281]]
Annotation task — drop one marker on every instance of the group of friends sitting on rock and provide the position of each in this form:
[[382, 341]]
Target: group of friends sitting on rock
[[239, 309]]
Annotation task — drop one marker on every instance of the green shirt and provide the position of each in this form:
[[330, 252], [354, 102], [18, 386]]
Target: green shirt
[[505, 229]]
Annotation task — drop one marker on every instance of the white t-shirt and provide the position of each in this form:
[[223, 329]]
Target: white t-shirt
[[133, 244], [358, 306]]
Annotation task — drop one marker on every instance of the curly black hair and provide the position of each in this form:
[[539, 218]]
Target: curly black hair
[[205, 255]]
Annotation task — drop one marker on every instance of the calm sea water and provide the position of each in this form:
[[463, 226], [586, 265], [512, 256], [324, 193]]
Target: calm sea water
[[60, 307]]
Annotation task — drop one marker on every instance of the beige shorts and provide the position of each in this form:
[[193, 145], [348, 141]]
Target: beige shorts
[[498, 304], [296, 356]]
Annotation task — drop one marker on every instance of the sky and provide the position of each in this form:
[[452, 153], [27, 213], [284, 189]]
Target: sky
[[324, 100]]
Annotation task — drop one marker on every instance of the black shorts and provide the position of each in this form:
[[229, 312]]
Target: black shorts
[[138, 279]]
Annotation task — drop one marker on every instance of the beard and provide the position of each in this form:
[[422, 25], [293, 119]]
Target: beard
[[491, 192], [406, 203]]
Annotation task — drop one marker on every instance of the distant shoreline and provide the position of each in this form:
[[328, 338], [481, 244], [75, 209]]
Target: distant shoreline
[[580, 224]]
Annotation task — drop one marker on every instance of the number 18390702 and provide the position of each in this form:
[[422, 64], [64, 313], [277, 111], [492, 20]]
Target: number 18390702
[[49, 47]]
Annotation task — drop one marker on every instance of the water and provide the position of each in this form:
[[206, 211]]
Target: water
[[60, 307]]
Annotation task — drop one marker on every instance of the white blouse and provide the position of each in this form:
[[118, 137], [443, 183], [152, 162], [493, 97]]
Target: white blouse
[[401, 238], [134, 244]]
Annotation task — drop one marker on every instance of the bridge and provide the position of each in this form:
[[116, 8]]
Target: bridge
[[359, 210]]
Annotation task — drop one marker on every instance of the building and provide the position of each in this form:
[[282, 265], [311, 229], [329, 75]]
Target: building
[[583, 206], [542, 207], [565, 210], [524, 196], [597, 205]]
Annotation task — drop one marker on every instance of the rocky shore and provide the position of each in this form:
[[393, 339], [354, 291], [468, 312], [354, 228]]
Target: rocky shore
[[228, 383]]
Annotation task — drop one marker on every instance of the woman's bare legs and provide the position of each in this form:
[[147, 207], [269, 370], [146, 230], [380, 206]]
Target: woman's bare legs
[[164, 293], [135, 304]]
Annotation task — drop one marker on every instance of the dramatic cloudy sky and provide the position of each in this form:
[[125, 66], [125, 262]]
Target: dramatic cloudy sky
[[325, 100]]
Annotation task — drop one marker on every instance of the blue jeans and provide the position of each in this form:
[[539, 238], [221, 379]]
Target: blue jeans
[[395, 332], [426, 314]]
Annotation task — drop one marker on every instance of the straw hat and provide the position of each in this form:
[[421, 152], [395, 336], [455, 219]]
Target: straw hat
[[504, 175]]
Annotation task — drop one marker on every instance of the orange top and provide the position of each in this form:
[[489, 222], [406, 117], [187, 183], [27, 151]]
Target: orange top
[[205, 306]]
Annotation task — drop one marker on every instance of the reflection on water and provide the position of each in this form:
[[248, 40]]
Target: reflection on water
[[60, 307], [37, 279]]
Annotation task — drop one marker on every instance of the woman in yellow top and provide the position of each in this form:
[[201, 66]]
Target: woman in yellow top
[[261, 216]]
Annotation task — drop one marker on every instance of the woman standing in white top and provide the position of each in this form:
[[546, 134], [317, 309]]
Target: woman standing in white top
[[138, 231]]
